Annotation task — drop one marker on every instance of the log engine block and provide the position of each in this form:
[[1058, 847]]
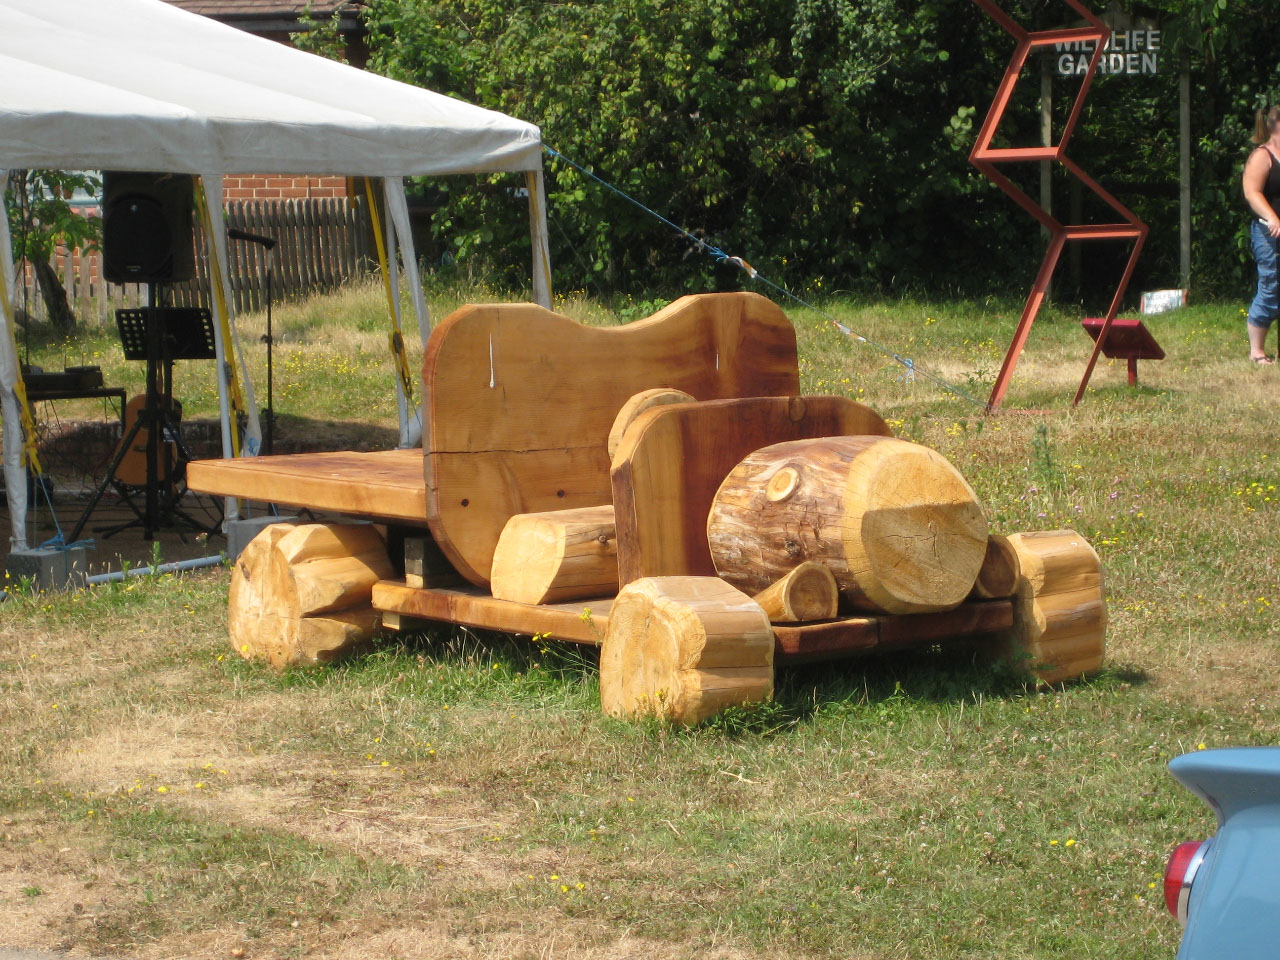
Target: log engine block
[[896, 524]]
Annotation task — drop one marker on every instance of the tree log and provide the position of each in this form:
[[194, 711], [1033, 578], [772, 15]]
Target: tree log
[[998, 577], [684, 649], [301, 594], [897, 525], [638, 404], [56, 304], [809, 592], [556, 556], [1059, 613]]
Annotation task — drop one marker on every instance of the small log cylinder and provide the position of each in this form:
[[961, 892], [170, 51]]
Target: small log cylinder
[[302, 594], [556, 556], [998, 577], [809, 592], [898, 526], [684, 649]]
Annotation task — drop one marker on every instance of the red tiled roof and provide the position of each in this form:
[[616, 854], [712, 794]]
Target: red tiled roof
[[255, 9]]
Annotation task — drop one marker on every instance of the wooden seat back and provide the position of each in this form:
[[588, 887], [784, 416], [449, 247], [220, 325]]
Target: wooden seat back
[[521, 400]]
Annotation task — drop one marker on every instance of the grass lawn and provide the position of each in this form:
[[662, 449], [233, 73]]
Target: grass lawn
[[460, 795]]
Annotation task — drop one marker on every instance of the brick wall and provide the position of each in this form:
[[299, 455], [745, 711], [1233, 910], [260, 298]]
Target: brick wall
[[282, 188]]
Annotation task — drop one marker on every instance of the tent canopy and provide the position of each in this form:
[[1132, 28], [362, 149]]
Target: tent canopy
[[142, 85]]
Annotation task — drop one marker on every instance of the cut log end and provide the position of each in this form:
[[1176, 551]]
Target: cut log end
[[922, 535], [809, 592], [684, 649], [301, 595]]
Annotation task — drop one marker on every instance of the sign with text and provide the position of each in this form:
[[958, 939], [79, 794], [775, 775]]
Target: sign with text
[[1127, 53], [1162, 301]]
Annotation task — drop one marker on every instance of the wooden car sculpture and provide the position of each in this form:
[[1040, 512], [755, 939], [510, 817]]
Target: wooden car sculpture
[[659, 489]]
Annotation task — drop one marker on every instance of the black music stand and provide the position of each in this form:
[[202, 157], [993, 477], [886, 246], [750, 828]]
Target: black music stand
[[158, 335]]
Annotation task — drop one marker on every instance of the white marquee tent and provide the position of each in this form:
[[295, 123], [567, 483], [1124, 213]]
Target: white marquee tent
[[140, 85]]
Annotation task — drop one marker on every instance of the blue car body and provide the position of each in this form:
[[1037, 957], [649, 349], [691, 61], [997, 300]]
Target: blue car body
[[1233, 903]]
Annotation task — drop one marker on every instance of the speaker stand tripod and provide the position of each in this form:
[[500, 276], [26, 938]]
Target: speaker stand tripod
[[159, 336]]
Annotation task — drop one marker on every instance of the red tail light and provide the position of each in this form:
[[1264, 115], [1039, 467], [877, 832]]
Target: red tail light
[[1180, 874]]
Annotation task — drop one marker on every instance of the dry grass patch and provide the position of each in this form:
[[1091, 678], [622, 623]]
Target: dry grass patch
[[459, 794]]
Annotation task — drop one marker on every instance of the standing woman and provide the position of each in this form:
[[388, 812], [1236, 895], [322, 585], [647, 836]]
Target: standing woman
[[1262, 193]]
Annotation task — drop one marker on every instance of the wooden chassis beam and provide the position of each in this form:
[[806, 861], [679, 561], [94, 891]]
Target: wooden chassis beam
[[794, 643]]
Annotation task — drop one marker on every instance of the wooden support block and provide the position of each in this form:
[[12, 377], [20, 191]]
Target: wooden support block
[[1060, 613], [331, 566], [425, 565], [899, 527], [401, 623], [301, 594], [557, 556], [998, 576], [684, 648], [809, 592]]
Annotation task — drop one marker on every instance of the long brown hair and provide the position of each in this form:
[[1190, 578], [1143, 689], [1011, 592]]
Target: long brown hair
[[1266, 124]]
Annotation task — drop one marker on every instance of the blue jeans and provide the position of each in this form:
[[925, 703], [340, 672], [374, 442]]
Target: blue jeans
[[1266, 303]]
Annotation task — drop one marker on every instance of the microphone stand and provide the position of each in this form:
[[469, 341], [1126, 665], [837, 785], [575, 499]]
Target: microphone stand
[[234, 233]]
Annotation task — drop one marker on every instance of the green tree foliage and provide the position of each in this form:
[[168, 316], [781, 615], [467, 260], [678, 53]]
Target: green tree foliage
[[41, 219], [1235, 70], [774, 130], [824, 141]]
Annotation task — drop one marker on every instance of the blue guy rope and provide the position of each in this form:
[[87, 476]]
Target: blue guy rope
[[58, 540], [912, 369]]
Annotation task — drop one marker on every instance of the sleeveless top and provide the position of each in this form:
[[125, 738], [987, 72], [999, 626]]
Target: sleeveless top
[[1271, 186]]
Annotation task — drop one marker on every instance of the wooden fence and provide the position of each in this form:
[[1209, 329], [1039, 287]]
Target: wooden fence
[[320, 244]]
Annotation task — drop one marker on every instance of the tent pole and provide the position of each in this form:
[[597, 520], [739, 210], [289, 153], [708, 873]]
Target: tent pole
[[11, 405], [384, 237], [15, 477], [404, 396], [398, 208], [209, 197], [219, 349], [539, 237], [241, 386]]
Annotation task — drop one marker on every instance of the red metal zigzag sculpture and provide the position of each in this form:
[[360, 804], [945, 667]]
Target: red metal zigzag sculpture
[[985, 158]]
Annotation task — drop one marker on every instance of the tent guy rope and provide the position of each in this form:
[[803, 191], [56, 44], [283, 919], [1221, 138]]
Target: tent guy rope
[[912, 368]]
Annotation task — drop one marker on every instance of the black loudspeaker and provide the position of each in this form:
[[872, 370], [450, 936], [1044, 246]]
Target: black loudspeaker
[[147, 227]]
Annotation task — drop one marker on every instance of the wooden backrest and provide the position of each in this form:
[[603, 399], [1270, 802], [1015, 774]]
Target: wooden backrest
[[520, 402], [673, 459]]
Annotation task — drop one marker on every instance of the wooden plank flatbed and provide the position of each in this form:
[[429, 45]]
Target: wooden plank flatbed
[[383, 485], [794, 643]]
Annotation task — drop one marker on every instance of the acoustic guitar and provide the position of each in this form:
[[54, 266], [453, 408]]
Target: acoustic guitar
[[132, 470]]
